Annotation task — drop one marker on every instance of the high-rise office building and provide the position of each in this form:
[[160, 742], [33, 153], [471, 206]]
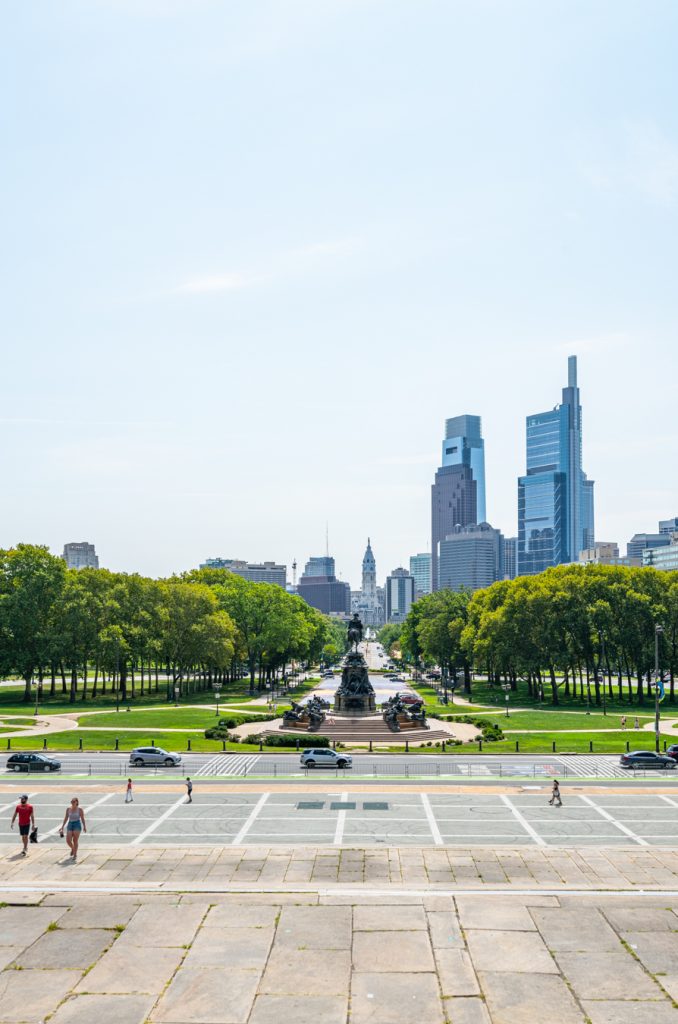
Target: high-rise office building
[[664, 557], [80, 555], [255, 572], [420, 569], [464, 446], [458, 491], [645, 542], [321, 565], [510, 558], [399, 595], [324, 591], [555, 498], [668, 525], [471, 557]]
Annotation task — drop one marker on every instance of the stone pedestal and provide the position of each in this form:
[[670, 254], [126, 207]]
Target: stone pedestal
[[355, 695]]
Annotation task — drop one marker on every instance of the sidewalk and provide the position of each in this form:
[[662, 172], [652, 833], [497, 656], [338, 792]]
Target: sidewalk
[[338, 957]]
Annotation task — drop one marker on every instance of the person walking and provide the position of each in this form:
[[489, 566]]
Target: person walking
[[129, 799], [74, 822], [623, 722], [555, 795], [189, 790], [636, 724], [24, 812]]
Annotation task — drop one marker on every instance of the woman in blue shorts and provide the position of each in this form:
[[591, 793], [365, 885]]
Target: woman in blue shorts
[[74, 823]]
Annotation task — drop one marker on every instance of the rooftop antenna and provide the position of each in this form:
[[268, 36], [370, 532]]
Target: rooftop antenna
[[327, 540], [294, 574]]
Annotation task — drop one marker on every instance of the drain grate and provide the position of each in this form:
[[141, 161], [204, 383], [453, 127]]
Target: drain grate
[[375, 805], [310, 805], [337, 805]]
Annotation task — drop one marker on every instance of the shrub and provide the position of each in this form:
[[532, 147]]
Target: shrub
[[286, 740]]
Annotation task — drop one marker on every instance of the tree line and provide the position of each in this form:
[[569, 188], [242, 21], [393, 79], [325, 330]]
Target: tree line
[[568, 632], [59, 626]]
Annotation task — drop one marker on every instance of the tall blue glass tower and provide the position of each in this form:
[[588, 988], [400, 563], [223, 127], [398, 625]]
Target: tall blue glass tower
[[555, 497], [464, 446]]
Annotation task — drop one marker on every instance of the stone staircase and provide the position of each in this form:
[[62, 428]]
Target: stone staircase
[[362, 730]]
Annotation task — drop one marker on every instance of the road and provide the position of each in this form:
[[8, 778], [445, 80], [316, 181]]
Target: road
[[365, 766], [259, 816]]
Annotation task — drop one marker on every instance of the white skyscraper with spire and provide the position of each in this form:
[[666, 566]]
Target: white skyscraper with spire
[[366, 601]]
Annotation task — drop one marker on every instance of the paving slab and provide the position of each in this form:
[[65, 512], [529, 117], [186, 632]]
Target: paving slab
[[607, 975], [20, 926], [104, 1009], [123, 971], [30, 996], [72, 949], [517, 952], [494, 913], [392, 952], [614, 1012], [315, 927], [389, 918], [166, 925], [299, 1009], [307, 972], [445, 929], [230, 947], [208, 995], [640, 918], [396, 999], [583, 928], [466, 1011], [455, 973], [529, 998], [241, 913]]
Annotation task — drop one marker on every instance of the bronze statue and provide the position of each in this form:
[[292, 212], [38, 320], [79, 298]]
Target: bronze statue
[[355, 631]]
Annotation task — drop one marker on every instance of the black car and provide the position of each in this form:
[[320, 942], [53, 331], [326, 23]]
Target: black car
[[647, 759], [672, 751], [32, 763]]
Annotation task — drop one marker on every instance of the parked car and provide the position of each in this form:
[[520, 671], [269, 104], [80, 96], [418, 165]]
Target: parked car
[[672, 751], [141, 757], [32, 763], [410, 698], [325, 758], [647, 759]]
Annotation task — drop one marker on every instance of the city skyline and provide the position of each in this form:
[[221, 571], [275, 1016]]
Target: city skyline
[[256, 255]]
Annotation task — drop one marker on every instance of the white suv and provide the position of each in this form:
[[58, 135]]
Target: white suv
[[325, 758]]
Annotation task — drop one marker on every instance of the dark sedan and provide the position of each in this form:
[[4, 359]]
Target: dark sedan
[[647, 759], [32, 763]]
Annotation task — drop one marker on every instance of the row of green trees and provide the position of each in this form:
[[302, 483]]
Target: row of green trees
[[570, 631], [200, 628]]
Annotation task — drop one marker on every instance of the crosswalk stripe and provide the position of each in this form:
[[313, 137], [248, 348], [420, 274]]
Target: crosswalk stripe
[[228, 764]]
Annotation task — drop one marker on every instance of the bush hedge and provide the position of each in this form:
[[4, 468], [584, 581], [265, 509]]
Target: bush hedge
[[286, 740], [490, 730]]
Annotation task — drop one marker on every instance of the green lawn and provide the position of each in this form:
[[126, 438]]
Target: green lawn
[[94, 741], [555, 721], [166, 717]]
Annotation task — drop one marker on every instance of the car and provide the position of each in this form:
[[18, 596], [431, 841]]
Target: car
[[410, 698], [325, 757], [32, 763], [141, 757], [672, 751], [647, 759]]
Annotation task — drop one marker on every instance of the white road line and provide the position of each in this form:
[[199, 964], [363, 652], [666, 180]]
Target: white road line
[[430, 817], [523, 821], [667, 799], [341, 822], [613, 821], [56, 828], [250, 821], [158, 821]]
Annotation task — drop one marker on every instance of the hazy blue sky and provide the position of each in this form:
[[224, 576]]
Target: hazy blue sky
[[254, 252]]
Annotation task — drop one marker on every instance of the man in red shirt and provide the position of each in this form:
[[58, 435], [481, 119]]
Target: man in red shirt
[[24, 812]]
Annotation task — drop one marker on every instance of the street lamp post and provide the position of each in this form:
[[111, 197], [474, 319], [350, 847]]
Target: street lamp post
[[117, 678], [602, 671], [37, 697], [658, 630], [177, 691], [506, 687], [217, 694]]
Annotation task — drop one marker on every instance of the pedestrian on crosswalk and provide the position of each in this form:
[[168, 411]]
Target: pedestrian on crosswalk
[[129, 799], [189, 790], [555, 795]]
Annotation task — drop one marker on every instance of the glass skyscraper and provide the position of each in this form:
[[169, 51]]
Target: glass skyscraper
[[555, 497], [458, 491]]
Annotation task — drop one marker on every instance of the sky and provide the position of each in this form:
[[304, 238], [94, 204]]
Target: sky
[[255, 252]]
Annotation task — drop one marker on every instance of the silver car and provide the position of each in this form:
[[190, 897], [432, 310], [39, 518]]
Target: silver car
[[143, 756], [325, 758]]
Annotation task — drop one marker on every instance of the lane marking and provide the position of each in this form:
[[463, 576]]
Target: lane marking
[[250, 821], [341, 822], [613, 821], [668, 800], [158, 821], [430, 817], [56, 828], [523, 821]]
